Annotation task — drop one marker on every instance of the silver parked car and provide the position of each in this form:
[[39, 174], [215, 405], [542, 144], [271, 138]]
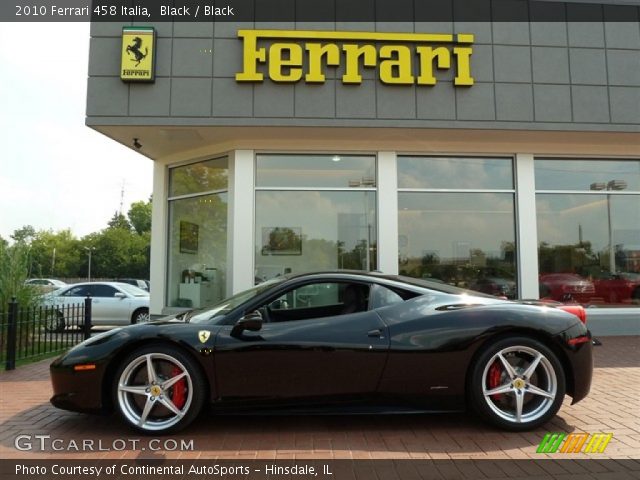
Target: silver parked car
[[45, 285], [112, 303]]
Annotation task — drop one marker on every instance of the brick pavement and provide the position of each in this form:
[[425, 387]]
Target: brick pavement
[[613, 406]]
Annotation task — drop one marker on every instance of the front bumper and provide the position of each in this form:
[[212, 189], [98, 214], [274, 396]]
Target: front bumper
[[78, 391]]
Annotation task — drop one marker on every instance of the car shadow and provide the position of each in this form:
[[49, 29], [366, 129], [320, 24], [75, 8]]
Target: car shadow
[[227, 436]]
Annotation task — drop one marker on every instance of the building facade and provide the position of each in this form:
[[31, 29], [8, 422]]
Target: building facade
[[499, 156]]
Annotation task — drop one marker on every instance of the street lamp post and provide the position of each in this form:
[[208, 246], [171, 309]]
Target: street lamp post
[[610, 185], [89, 251]]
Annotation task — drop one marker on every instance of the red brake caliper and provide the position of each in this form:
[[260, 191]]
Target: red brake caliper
[[495, 374], [178, 395]]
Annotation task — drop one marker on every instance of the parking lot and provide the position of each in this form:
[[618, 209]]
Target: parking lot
[[612, 407]]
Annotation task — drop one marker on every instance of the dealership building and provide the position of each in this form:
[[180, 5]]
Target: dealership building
[[501, 156]]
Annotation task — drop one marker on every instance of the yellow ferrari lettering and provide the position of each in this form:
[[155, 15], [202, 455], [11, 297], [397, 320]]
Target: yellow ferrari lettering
[[396, 68], [281, 65], [398, 58]]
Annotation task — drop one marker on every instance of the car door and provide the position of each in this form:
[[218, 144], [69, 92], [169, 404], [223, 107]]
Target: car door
[[107, 308], [72, 296], [313, 344]]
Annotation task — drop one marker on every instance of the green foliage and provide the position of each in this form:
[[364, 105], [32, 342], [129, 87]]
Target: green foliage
[[14, 270], [120, 250], [140, 216], [24, 234], [118, 253], [55, 254], [119, 221]]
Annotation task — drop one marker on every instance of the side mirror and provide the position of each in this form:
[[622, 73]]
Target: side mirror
[[251, 321], [120, 295]]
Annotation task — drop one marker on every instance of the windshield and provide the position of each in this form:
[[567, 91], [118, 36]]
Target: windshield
[[132, 290], [231, 303]]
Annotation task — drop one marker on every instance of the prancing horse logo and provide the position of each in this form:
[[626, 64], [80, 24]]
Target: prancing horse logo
[[137, 53], [203, 335]]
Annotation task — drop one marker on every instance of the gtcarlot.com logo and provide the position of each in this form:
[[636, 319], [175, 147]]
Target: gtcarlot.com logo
[[574, 443], [46, 443]]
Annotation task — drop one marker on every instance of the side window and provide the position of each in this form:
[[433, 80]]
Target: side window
[[383, 296], [103, 291], [79, 291], [319, 300]]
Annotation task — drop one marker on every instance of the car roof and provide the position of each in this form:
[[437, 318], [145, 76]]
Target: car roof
[[113, 284], [377, 276]]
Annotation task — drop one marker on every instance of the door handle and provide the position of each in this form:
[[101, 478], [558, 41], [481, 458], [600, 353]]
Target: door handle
[[375, 333]]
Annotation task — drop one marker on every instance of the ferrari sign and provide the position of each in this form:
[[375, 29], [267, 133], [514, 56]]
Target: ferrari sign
[[399, 58], [137, 63]]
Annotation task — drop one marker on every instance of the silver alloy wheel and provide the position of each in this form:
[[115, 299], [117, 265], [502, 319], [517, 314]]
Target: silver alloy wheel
[[158, 412], [142, 317], [536, 378]]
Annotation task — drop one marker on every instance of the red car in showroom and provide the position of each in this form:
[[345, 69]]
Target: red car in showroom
[[618, 288], [566, 287]]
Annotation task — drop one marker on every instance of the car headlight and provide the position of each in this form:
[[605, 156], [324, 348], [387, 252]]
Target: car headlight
[[101, 337]]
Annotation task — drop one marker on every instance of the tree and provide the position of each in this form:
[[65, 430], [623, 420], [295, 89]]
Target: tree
[[119, 221], [14, 270], [140, 216], [118, 253], [24, 234], [56, 254]]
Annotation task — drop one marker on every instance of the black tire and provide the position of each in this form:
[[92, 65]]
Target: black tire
[[500, 409], [635, 296], [54, 322], [160, 419], [141, 315]]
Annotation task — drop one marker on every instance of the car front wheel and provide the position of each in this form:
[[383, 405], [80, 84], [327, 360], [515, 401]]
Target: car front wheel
[[517, 384], [159, 389]]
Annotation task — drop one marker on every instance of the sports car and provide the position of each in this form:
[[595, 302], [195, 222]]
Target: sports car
[[338, 342]]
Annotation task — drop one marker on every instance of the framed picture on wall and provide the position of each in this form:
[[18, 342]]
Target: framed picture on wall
[[281, 241], [188, 237]]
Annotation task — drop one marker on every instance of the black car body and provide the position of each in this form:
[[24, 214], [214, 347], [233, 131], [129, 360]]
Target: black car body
[[389, 344]]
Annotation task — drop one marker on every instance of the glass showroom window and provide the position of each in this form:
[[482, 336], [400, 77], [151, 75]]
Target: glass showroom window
[[314, 212], [456, 222], [197, 233], [588, 214]]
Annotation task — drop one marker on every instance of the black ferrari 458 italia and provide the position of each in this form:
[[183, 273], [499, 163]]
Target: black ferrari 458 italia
[[341, 342]]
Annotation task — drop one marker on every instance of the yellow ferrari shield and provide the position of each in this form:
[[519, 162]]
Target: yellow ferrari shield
[[138, 54], [203, 335]]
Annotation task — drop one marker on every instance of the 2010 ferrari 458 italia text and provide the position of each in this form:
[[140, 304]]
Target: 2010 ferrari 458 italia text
[[336, 342]]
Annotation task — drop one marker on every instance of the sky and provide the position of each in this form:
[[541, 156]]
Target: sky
[[55, 172]]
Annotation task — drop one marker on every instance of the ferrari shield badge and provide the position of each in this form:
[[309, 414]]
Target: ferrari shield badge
[[203, 335]]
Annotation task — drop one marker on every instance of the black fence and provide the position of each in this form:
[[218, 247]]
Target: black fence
[[31, 332]]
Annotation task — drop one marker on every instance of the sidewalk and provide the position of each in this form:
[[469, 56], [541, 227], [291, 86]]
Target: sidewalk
[[613, 406]]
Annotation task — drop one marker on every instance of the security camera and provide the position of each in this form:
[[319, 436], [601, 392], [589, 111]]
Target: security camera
[[137, 144]]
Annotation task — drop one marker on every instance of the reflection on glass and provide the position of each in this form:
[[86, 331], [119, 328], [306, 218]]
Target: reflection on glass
[[589, 248], [197, 251], [586, 174], [199, 177], [458, 173], [301, 231], [316, 171], [463, 239]]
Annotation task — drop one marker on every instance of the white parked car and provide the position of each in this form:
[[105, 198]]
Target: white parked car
[[112, 303], [45, 284]]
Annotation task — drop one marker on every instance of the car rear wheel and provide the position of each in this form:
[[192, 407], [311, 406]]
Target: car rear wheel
[[54, 322], [159, 389], [517, 384], [140, 316]]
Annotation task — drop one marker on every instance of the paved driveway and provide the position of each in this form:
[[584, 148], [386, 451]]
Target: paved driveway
[[613, 406]]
